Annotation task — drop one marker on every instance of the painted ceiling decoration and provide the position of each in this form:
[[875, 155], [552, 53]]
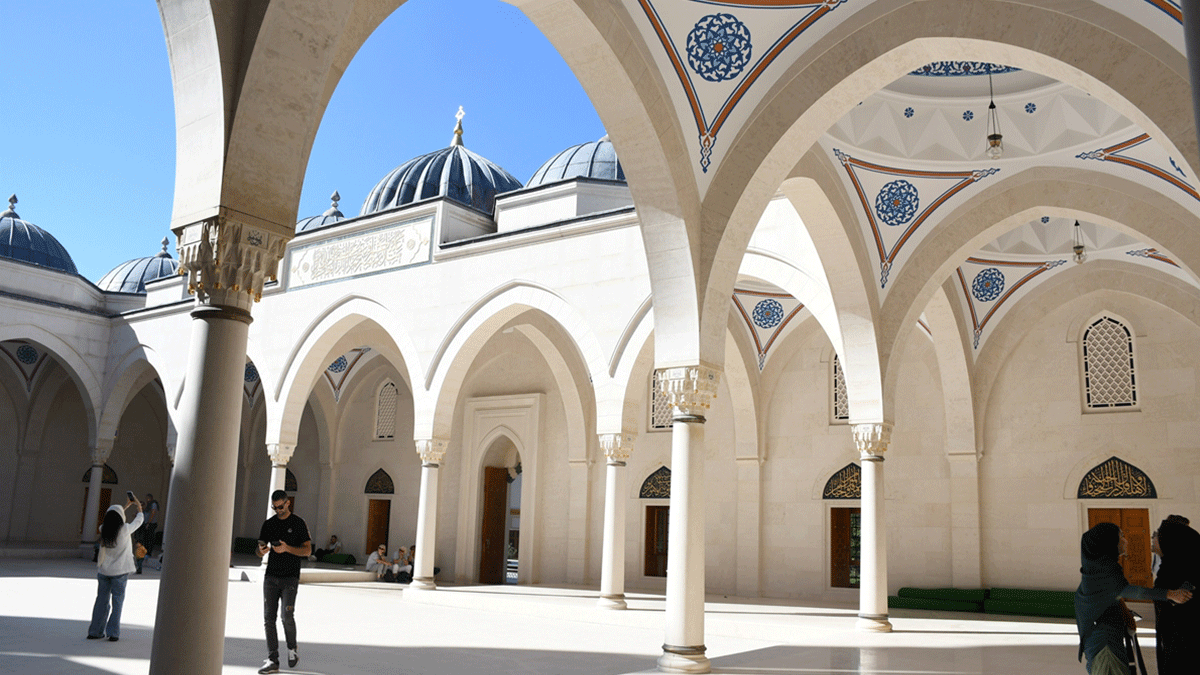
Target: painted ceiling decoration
[[26, 359], [338, 372], [898, 201], [719, 56], [1139, 153], [988, 283], [766, 315], [1151, 254], [961, 68], [251, 382], [1169, 7]]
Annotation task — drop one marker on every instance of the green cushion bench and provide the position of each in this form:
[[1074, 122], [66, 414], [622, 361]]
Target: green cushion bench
[[944, 599], [245, 546], [1027, 602], [338, 559]]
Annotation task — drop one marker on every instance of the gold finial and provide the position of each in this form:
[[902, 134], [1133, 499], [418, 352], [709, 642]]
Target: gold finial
[[458, 130]]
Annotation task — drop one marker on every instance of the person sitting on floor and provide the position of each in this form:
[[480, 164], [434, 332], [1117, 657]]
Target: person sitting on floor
[[334, 546], [378, 563]]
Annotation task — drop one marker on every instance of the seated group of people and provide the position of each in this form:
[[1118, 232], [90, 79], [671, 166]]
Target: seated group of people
[[398, 568]]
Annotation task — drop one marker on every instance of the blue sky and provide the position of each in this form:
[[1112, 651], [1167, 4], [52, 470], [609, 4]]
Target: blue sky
[[89, 132]]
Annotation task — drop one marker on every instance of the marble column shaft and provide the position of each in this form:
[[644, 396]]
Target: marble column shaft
[[872, 441], [431, 452], [690, 391], [91, 511], [617, 449]]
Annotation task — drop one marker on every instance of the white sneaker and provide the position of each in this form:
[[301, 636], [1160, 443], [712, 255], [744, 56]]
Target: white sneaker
[[269, 666], [293, 658], [312, 558]]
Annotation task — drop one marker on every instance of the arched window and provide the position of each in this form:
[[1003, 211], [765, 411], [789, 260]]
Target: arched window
[[1109, 379], [380, 483], [107, 476], [385, 412], [840, 404], [661, 416], [289, 482]]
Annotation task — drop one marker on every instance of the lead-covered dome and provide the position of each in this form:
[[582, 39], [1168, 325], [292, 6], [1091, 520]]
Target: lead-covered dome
[[29, 243], [597, 159], [454, 172], [331, 216], [131, 276]]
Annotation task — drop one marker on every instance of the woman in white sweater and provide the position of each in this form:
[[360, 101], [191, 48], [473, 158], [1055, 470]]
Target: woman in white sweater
[[113, 565]]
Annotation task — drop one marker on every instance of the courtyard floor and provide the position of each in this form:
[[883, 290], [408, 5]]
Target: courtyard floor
[[349, 628]]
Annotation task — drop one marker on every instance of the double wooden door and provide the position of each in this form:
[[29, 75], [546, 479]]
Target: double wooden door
[[1135, 524]]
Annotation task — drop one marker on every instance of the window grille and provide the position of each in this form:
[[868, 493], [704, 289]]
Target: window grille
[[660, 407], [841, 405], [385, 418], [1108, 369]]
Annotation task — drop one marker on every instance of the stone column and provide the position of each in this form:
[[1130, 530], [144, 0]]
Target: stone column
[[966, 567], [431, 451], [872, 441], [690, 391], [617, 448], [87, 538], [226, 262]]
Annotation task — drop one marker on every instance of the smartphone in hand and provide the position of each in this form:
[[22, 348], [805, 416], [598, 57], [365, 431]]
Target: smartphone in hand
[[132, 497], [1187, 586]]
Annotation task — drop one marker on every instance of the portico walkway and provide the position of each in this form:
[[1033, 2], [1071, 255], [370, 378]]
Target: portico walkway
[[385, 628]]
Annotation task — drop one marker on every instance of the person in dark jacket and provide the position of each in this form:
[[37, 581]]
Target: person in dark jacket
[[1099, 614], [1177, 626]]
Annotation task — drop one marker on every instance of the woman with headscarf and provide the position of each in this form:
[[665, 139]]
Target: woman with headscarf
[[113, 566], [1177, 626], [1099, 614]]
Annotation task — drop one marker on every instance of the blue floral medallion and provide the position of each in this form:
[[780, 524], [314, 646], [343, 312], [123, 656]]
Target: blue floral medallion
[[718, 48], [251, 373], [897, 202], [988, 285], [1045, 219], [768, 313], [27, 355], [908, 112], [1030, 108], [339, 365], [968, 116]]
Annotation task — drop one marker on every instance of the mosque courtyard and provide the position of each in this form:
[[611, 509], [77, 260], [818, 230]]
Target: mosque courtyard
[[346, 628]]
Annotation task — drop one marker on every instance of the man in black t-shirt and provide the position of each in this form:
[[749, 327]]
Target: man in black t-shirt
[[286, 537]]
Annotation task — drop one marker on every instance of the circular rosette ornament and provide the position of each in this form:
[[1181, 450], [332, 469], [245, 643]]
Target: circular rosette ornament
[[718, 48], [768, 314], [897, 202], [338, 365], [988, 285], [27, 355], [251, 373]]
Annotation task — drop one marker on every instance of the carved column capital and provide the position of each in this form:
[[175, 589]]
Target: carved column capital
[[871, 440], [689, 389], [100, 453], [617, 447], [227, 261], [171, 453], [431, 450], [280, 453]]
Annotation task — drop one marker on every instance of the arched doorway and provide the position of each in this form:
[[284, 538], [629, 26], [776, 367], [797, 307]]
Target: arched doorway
[[500, 513]]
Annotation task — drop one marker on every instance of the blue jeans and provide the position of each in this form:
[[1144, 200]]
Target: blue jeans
[[276, 590], [114, 586]]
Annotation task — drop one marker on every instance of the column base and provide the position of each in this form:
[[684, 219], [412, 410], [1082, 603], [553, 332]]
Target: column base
[[684, 660], [422, 584], [873, 623], [612, 602]]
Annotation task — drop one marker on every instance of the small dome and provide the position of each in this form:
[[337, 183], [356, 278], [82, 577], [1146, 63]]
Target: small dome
[[29, 243], [597, 159], [131, 276], [331, 216], [454, 172]]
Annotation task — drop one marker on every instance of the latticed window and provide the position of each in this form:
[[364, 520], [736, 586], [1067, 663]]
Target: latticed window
[[660, 407], [385, 416], [841, 405], [1108, 371]]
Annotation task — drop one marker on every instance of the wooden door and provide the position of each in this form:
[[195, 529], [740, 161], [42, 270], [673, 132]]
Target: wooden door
[[1135, 524], [105, 498], [655, 564], [492, 556], [845, 543], [379, 515]]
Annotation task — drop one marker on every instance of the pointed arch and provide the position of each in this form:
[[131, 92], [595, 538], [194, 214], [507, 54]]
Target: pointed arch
[[1114, 478], [1109, 370], [657, 485], [846, 483], [380, 483]]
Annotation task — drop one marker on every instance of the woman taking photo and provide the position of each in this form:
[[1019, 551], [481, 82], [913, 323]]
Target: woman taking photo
[[113, 565], [1102, 620]]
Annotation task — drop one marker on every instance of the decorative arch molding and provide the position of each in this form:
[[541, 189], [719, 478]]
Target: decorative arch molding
[[845, 484], [449, 367], [1114, 478], [657, 485], [73, 363], [380, 483], [107, 475], [621, 399], [133, 373]]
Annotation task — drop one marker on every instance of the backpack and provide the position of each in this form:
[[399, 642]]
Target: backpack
[[389, 575]]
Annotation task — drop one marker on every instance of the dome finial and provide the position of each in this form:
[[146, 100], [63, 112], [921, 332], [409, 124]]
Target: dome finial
[[335, 198], [333, 208], [163, 253], [458, 131], [11, 212]]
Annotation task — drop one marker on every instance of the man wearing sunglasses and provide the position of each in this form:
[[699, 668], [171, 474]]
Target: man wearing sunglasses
[[286, 537]]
